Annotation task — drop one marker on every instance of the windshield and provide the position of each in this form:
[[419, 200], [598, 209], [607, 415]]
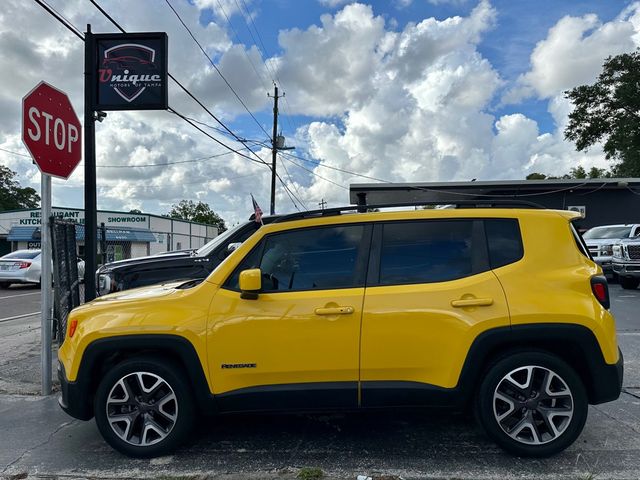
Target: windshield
[[219, 240], [608, 232]]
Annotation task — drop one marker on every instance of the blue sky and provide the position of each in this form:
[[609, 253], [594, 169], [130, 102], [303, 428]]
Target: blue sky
[[401, 91], [520, 26]]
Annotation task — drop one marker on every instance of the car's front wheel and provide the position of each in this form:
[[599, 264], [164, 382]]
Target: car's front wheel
[[532, 404], [4, 285], [143, 408]]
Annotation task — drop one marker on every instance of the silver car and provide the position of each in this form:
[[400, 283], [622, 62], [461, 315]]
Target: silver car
[[21, 266], [600, 241], [25, 266]]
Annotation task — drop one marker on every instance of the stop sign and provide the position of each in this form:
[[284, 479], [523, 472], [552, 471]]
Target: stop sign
[[51, 130]]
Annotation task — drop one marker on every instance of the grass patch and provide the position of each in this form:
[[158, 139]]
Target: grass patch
[[310, 473]]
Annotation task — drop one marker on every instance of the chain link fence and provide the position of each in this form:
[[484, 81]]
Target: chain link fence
[[68, 273]]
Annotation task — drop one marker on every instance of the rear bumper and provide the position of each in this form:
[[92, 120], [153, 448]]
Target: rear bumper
[[73, 400], [607, 381]]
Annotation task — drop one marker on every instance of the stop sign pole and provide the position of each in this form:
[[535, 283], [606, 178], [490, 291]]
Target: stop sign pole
[[51, 133]]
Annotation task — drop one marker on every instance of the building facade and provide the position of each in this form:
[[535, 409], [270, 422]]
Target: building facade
[[601, 201], [125, 235]]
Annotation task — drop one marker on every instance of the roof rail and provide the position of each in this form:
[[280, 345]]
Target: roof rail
[[485, 203]]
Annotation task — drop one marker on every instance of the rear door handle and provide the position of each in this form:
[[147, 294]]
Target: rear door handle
[[472, 302], [334, 311]]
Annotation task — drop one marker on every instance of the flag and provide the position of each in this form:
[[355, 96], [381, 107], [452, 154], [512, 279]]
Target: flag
[[257, 210]]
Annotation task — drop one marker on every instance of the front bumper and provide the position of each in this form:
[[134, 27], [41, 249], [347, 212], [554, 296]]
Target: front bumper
[[73, 399], [627, 269], [605, 263]]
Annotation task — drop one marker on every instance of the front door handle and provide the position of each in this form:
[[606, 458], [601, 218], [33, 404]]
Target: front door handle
[[472, 302], [334, 311]]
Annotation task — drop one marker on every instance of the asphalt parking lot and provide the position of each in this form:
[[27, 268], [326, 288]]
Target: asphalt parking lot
[[45, 442]]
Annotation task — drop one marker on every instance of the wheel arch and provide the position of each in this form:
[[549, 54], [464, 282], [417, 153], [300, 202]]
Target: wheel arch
[[575, 344], [104, 353]]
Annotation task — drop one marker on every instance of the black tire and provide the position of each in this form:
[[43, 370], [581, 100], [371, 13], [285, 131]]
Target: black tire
[[149, 419], [629, 283], [4, 285], [530, 435]]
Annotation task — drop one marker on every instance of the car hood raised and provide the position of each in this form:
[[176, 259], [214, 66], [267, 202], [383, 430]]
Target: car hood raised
[[147, 259]]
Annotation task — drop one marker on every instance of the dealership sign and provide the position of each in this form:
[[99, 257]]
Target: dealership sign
[[131, 71]]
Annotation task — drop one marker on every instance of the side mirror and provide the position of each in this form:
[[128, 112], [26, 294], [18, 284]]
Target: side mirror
[[250, 283]]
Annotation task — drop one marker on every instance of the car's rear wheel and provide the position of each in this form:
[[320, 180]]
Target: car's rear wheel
[[143, 408], [532, 404], [4, 285], [629, 283]]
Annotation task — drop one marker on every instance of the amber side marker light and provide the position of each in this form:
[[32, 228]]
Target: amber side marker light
[[72, 327]]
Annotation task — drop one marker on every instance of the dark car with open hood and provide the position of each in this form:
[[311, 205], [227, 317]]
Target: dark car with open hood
[[179, 265]]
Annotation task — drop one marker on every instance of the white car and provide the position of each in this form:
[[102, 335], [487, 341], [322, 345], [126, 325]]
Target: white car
[[25, 266]]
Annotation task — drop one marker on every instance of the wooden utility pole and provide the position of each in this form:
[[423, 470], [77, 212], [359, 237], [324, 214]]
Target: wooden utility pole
[[277, 143], [274, 149]]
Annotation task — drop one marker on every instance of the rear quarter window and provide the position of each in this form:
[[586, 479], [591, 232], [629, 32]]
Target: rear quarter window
[[504, 241]]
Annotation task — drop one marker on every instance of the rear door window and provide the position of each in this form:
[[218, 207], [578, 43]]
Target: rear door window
[[427, 251], [504, 241]]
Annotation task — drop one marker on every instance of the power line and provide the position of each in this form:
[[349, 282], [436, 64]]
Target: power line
[[290, 193], [117, 25], [294, 186], [215, 66], [260, 160], [15, 153], [166, 163], [260, 77], [318, 164], [61, 18], [274, 76], [317, 175]]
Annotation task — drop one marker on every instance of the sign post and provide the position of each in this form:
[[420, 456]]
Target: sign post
[[51, 133], [122, 71]]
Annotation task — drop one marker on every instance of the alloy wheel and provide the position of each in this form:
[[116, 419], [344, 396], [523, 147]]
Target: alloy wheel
[[533, 405], [142, 408]]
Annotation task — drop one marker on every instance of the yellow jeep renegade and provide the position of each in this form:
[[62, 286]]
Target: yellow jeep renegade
[[499, 309]]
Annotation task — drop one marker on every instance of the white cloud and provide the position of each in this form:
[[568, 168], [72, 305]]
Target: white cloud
[[573, 52], [409, 104], [334, 3]]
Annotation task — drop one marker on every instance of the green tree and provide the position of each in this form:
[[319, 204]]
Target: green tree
[[197, 212], [136, 211], [12, 195], [609, 111], [536, 176], [578, 172]]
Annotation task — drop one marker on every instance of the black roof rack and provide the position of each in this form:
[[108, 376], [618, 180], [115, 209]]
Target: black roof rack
[[485, 203]]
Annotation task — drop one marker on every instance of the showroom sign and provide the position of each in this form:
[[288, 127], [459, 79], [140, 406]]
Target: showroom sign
[[131, 71]]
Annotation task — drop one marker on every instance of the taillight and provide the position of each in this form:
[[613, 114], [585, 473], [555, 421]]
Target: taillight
[[600, 289], [24, 264]]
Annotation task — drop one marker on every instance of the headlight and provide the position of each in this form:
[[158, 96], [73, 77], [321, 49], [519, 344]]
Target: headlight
[[606, 250], [617, 251], [106, 283]]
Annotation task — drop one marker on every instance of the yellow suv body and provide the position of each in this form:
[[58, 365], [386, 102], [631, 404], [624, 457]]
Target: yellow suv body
[[501, 309]]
